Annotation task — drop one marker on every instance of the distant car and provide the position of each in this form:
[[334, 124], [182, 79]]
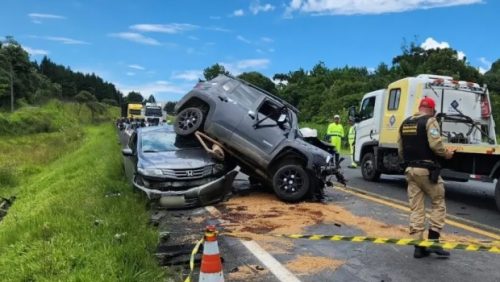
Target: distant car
[[174, 170], [260, 131]]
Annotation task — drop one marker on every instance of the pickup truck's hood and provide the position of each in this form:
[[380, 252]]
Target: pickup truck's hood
[[181, 159], [316, 150]]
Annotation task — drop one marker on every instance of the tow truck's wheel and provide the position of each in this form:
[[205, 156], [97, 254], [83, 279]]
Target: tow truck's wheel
[[188, 121], [368, 169], [291, 182], [497, 194]]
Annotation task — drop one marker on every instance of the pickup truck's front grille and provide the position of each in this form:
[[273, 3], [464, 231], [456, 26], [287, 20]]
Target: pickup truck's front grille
[[188, 173]]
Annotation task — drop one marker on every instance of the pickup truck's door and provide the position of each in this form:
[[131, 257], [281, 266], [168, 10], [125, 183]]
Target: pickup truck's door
[[233, 101], [260, 131], [368, 127]]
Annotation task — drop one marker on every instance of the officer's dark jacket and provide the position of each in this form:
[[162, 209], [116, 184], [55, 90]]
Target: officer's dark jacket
[[413, 134]]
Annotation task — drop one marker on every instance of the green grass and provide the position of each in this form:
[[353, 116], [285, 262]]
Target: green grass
[[22, 156], [67, 223]]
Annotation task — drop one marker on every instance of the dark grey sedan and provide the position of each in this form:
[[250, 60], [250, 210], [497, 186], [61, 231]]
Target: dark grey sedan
[[176, 171]]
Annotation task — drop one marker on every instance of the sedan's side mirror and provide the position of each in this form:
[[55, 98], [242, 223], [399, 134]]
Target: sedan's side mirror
[[127, 152]]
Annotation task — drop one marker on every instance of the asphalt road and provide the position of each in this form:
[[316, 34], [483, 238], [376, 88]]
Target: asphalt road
[[473, 200]]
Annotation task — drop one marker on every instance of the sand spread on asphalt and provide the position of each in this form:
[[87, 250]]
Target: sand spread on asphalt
[[259, 216], [307, 264], [246, 272]]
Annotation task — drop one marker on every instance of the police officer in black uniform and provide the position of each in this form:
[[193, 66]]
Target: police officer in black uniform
[[419, 145]]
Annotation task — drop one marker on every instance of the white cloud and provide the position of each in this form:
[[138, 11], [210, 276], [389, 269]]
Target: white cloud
[[137, 67], [253, 63], [485, 61], [154, 88], [63, 40], [216, 28], [238, 13], [353, 7], [243, 39], [35, 52], [266, 40], [189, 75], [38, 17], [238, 67], [486, 65], [172, 28], [482, 70], [136, 37], [255, 7], [431, 43], [130, 73]]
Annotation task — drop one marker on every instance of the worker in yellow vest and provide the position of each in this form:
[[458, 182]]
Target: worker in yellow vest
[[351, 138], [336, 132]]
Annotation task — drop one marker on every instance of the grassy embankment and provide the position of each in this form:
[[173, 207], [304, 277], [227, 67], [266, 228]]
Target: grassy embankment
[[75, 217]]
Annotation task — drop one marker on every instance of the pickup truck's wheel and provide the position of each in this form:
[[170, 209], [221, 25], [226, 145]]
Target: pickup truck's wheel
[[188, 121], [497, 194], [368, 169], [291, 182]]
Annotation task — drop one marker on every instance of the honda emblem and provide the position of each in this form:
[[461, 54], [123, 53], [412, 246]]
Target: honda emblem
[[189, 173]]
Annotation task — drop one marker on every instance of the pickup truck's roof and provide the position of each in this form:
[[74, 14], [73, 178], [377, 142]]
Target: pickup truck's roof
[[262, 91]]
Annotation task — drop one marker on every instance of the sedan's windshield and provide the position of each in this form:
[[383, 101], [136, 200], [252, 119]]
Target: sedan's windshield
[[165, 141]]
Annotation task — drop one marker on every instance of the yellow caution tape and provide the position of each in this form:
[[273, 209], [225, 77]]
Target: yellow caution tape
[[191, 260], [402, 242]]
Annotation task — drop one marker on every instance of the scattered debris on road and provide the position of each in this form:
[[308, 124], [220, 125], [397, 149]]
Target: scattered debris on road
[[308, 264]]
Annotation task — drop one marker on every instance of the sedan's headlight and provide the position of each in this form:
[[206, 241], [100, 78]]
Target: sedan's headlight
[[217, 168], [150, 172]]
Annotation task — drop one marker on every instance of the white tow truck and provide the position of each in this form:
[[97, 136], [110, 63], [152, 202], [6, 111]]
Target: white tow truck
[[465, 119]]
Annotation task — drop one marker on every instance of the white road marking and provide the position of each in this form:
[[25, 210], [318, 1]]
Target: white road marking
[[276, 268], [270, 262]]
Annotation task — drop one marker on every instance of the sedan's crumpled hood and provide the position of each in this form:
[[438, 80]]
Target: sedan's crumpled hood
[[181, 159]]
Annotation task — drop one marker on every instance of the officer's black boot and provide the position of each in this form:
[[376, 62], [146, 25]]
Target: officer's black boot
[[434, 235], [420, 252]]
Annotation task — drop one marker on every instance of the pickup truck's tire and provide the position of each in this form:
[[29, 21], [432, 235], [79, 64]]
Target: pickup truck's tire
[[291, 182], [188, 121], [497, 194], [368, 169]]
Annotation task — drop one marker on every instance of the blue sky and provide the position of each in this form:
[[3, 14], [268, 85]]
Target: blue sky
[[161, 47]]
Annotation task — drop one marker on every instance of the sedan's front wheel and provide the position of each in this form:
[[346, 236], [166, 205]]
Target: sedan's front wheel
[[188, 121]]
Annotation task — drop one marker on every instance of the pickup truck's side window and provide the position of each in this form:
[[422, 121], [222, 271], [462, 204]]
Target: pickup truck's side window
[[269, 110], [367, 108], [394, 97], [241, 94]]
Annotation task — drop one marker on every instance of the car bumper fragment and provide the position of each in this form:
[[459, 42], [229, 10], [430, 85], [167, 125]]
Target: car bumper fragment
[[205, 194]]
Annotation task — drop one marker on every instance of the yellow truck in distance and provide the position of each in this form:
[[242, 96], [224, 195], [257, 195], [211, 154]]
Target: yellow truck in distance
[[135, 111], [465, 119]]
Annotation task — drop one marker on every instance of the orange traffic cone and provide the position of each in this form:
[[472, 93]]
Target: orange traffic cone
[[211, 265]]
